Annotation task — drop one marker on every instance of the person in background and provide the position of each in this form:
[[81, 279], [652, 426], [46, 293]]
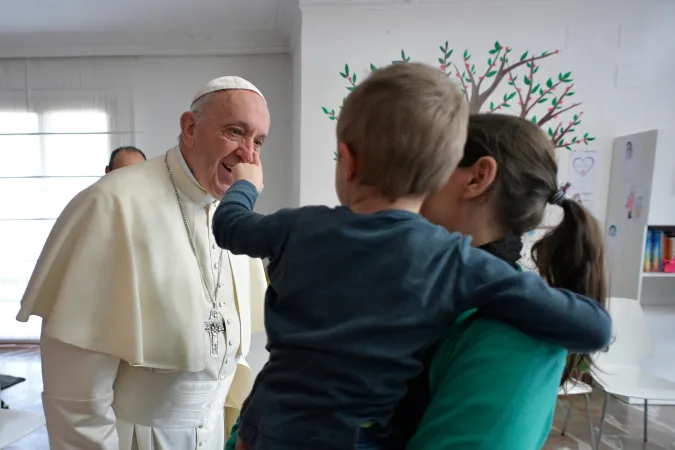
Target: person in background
[[359, 292], [146, 322], [124, 156], [490, 386]]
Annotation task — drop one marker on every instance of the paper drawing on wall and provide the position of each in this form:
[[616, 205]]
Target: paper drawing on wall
[[544, 102], [612, 230], [583, 165], [630, 163], [630, 203]]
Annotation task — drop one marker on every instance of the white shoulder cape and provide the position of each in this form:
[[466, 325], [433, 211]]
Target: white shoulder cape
[[117, 275]]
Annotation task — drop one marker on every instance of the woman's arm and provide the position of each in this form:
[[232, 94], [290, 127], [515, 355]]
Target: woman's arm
[[492, 388]]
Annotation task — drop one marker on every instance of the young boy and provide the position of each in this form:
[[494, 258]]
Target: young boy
[[358, 293]]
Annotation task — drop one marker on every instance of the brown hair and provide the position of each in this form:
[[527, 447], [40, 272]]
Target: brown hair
[[406, 126], [570, 256]]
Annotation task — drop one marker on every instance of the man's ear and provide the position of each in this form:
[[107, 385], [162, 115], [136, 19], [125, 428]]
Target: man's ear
[[347, 160], [187, 128], [481, 175], [107, 169]]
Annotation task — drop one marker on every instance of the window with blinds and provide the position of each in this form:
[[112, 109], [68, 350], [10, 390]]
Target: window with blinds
[[45, 160]]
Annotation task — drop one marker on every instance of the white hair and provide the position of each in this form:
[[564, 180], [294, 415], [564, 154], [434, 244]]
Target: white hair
[[198, 106]]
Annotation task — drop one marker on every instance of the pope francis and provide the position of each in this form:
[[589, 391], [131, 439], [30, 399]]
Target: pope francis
[[146, 320]]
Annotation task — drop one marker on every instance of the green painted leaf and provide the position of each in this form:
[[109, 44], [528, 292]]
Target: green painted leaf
[[372, 67], [536, 88], [569, 94], [590, 139], [491, 74], [347, 69], [541, 92], [446, 45], [567, 75], [543, 100], [497, 45], [466, 54], [403, 55], [585, 134], [343, 75], [513, 94], [536, 69], [492, 106], [523, 56], [550, 132], [354, 78], [440, 60], [442, 49], [473, 68], [493, 51], [506, 105], [554, 101], [489, 61], [449, 53], [568, 147], [331, 117], [533, 119], [527, 80], [350, 88], [549, 83], [325, 110]]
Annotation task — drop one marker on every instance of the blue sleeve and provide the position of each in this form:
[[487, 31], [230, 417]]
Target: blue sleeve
[[526, 302], [240, 230]]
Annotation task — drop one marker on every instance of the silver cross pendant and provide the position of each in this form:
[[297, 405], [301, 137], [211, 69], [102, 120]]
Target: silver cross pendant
[[214, 326]]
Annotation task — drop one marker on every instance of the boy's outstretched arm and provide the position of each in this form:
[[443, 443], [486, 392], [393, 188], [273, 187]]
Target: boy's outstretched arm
[[240, 230], [526, 302]]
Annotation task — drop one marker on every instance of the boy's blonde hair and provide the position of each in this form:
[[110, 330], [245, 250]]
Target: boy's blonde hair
[[406, 125]]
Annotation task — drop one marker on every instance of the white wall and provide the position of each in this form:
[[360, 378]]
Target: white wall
[[154, 91], [621, 54]]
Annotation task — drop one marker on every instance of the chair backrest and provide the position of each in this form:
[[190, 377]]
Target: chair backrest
[[631, 338]]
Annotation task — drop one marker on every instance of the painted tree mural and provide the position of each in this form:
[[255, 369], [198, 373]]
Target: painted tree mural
[[545, 102]]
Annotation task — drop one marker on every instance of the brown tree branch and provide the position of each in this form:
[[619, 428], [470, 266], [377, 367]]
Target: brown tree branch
[[525, 108], [500, 75], [549, 90], [494, 62], [461, 78], [552, 111], [557, 138]]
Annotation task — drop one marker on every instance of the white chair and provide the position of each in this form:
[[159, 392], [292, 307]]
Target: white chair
[[618, 369], [576, 387], [15, 425]]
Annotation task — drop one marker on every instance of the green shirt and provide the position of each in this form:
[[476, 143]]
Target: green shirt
[[492, 387]]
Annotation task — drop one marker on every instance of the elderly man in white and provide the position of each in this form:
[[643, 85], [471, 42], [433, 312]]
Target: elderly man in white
[[146, 321]]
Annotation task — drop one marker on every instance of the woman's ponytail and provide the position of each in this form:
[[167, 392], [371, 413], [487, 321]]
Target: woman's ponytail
[[571, 257]]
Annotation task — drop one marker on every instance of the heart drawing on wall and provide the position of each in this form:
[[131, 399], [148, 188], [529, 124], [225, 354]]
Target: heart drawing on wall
[[583, 165]]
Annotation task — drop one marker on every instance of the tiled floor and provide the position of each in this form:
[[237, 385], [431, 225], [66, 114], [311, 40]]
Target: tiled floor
[[623, 428]]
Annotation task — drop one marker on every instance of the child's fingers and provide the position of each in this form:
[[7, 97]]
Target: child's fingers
[[256, 159]]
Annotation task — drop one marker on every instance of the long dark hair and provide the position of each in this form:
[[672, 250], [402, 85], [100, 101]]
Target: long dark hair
[[571, 255]]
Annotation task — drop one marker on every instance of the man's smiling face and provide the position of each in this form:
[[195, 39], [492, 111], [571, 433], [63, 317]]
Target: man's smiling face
[[225, 130]]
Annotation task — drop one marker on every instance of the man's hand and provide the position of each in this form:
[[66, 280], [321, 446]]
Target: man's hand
[[250, 172]]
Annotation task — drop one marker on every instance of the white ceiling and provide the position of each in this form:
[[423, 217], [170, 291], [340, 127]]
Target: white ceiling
[[139, 27], [54, 28]]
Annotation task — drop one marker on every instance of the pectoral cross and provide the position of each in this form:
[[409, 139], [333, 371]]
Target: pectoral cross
[[214, 326]]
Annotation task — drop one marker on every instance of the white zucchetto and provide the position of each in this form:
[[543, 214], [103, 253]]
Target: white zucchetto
[[226, 84]]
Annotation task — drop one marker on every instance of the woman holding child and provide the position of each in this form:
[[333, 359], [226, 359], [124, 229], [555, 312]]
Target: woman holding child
[[474, 195], [490, 386]]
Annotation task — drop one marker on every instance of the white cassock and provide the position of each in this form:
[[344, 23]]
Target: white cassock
[[126, 355]]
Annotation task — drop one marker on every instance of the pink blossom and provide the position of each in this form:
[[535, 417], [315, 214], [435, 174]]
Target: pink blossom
[[519, 89], [442, 66], [557, 51], [520, 103], [550, 109], [480, 77]]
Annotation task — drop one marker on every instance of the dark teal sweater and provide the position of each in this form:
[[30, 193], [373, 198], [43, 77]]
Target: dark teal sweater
[[356, 299]]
